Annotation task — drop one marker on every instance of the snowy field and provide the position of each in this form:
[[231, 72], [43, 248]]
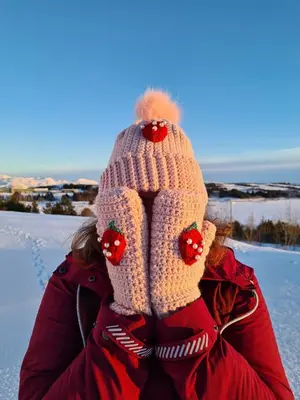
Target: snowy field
[[287, 210], [31, 246], [241, 210]]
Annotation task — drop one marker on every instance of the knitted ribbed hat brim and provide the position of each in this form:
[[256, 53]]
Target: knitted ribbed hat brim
[[144, 172]]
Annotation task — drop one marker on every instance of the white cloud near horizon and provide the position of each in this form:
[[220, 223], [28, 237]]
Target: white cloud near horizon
[[254, 161], [273, 164]]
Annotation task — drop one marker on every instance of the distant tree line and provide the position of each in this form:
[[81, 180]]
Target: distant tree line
[[68, 186], [89, 193], [65, 207], [62, 207], [13, 204], [214, 190], [86, 195], [281, 233], [80, 187]]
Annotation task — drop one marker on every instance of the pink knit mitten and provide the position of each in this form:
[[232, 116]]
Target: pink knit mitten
[[180, 242], [123, 232]]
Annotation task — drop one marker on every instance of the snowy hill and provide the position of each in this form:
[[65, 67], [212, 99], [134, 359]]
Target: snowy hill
[[31, 246], [21, 182]]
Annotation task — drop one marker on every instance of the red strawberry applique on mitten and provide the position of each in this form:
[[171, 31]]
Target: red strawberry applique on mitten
[[191, 244], [155, 131], [113, 244]]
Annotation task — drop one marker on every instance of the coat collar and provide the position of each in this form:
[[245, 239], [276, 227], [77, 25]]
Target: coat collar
[[230, 270]]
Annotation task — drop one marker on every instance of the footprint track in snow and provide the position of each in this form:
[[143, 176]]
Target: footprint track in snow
[[41, 273]]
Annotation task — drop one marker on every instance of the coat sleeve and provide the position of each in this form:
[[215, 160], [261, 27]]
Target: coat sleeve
[[243, 364], [56, 366]]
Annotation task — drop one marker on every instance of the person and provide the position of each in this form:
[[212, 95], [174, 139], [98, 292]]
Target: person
[[150, 303]]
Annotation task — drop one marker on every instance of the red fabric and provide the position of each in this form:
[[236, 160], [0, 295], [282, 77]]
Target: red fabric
[[243, 363], [253, 372]]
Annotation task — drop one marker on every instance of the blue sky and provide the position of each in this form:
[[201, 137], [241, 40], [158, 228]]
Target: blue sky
[[70, 73]]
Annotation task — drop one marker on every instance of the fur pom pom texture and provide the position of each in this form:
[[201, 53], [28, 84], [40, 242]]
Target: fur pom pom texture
[[157, 105]]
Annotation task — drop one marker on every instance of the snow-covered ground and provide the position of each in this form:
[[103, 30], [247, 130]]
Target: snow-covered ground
[[31, 246], [287, 210]]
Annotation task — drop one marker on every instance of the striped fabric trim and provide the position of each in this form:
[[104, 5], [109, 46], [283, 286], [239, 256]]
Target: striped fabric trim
[[127, 342], [184, 350]]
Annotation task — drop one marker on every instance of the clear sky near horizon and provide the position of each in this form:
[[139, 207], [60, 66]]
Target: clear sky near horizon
[[70, 72]]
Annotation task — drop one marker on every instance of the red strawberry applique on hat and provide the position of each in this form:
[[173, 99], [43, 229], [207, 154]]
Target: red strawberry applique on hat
[[113, 244], [191, 244], [155, 131]]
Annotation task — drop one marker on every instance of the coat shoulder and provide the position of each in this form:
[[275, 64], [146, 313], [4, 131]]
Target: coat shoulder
[[93, 277], [230, 269]]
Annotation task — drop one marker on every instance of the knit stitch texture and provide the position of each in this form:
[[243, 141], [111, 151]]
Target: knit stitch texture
[[174, 284], [129, 279], [143, 165]]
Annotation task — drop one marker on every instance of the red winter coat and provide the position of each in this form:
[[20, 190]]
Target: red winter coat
[[229, 326]]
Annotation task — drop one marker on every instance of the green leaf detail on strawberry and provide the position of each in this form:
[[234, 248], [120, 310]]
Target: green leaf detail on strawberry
[[113, 244], [191, 244], [112, 225], [190, 228]]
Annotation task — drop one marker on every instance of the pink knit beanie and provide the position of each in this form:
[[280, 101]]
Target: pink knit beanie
[[154, 153]]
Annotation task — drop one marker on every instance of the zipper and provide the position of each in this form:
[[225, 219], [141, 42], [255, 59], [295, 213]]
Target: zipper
[[245, 315], [79, 317]]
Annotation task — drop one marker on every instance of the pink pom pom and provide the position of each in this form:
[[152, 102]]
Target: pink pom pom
[[157, 105]]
